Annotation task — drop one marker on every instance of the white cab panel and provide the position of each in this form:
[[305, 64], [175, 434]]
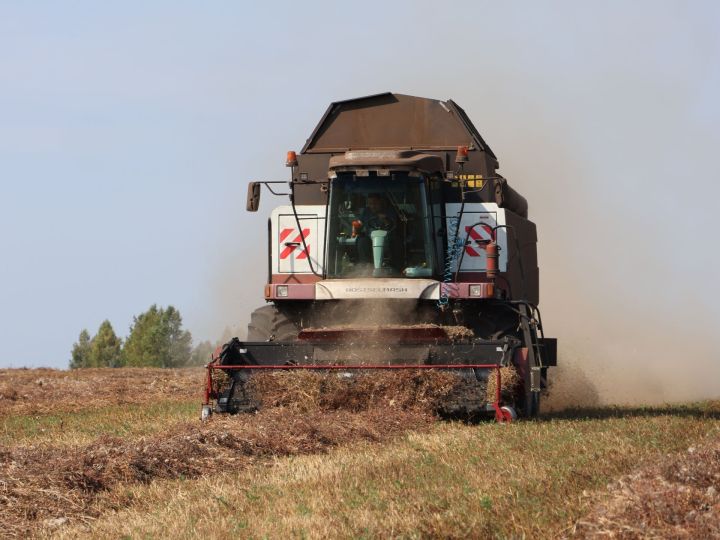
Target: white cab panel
[[478, 221], [288, 253]]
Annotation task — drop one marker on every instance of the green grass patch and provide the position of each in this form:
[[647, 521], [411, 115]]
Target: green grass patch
[[83, 426]]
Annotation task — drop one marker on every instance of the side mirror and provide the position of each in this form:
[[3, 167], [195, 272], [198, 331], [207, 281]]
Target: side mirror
[[253, 197]]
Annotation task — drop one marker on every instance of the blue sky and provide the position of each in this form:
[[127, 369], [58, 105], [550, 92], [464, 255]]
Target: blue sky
[[128, 133]]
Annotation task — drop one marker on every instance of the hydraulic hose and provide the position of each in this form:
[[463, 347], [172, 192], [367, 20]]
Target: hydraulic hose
[[455, 246]]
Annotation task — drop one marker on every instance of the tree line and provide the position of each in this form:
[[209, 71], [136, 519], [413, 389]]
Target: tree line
[[156, 339]]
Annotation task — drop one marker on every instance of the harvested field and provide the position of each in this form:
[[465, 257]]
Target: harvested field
[[326, 458], [42, 391], [679, 497], [45, 483]]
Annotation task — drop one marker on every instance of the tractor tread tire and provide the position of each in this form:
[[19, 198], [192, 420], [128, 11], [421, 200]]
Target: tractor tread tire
[[268, 323]]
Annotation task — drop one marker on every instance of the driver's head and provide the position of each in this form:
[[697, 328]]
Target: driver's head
[[375, 203]]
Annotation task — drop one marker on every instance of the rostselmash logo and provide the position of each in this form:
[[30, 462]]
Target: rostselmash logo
[[376, 289]]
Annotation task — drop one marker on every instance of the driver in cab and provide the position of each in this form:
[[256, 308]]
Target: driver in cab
[[377, 214]]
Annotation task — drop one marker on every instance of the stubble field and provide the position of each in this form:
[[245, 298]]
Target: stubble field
[[121, 453]]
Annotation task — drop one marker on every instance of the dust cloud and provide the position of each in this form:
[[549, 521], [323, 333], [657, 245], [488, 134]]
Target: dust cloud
[[627, 267]]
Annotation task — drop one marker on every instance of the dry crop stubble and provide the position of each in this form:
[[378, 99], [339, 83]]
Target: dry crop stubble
[[533, 479], [43, 391], [676, 497], [42, 483], [46, 482]]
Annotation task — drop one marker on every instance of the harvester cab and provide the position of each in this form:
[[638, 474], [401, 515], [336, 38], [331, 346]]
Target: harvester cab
[[379, 226], [400, 235]]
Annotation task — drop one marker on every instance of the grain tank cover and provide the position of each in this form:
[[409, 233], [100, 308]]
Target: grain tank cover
[[393, 121], [388, 122], [374, 160]]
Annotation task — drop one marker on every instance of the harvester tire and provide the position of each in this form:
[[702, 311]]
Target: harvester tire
[[268, 323]]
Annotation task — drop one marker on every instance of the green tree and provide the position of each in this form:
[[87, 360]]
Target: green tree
[[80, 355], [180, 341], [105, 350], [158, 339]]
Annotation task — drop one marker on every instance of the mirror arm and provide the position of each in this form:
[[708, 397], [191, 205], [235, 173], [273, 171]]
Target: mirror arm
[[253, 199]]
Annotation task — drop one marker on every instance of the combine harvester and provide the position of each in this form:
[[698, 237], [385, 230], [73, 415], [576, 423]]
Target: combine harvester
[[401, 248]]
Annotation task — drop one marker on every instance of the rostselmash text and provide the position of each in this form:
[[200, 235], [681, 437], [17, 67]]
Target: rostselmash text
[[376, 289]]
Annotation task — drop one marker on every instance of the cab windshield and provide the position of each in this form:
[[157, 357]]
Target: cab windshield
[[379, 226]]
